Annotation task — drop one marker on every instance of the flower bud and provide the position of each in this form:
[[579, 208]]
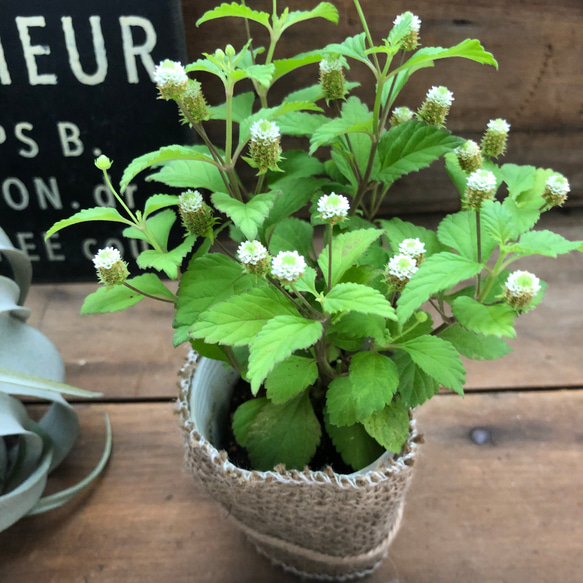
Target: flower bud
[[413, 248], [220, 54], [481, 185], [411, 39], [288, 266], [103, 163], [193, 101], [556, 189], [520, 289], [197, 216], [494, 140], [400, 270], [254, 256], [333, 208], [111, 269], [264, 146], [332, 78], [400, 115], [171, 79], [435, 108], [230, 51], [469, 156]]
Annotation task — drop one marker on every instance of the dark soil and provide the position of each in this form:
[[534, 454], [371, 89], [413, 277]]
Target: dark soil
[[326, 454]]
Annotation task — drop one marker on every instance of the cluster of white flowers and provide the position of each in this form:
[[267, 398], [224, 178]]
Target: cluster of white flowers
[[401, 115], [415, 21], [190, 201], [170, 73], [402, 266], [288, 266], [329, 64], [523, 283], [441, 96], [498, 126], [558, 185], [482, 181], [333, 206], [251, 252], [467, 150], [411, 247], [106, 258], [263, 131]]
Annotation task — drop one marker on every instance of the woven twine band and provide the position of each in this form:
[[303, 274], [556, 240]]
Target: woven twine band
[[316, 524]]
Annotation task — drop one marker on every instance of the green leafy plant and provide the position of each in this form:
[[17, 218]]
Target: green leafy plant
[[340, 322]]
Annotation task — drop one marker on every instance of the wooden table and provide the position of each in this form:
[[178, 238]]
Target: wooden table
[[510, 510]]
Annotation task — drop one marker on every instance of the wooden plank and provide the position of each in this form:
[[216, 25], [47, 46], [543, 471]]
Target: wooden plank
[[506, 511]]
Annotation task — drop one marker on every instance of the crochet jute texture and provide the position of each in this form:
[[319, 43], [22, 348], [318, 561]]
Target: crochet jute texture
[[317, 524]]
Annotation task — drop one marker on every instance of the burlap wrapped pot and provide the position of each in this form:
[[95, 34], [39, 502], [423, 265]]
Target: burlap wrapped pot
[[317, 524]]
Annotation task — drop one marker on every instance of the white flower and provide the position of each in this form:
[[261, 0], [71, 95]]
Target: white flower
[[170, 73], [106, 258], [190, 201], [415, 21], [329, 64], [264, 131], [441, 96], [411, 247], [333, 206], [251, 252], [467, 150], [498, 126], [288, 266], [401, 115], [402, 266], [482, 180], [558, 185], [523, 283]]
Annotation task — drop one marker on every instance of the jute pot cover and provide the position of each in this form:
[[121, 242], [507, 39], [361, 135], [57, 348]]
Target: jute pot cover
[[317, 524]]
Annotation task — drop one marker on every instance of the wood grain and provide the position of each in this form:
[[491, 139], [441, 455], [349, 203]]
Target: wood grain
[[506, 511]]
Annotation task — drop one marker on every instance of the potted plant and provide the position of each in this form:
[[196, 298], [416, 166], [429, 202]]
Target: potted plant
[[317, 327]]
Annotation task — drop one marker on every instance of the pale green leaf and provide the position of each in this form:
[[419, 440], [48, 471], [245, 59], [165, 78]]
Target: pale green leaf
[[290, 377], [285, 66], [159, 201], [327, 133], [300, 123], [189, 174], [169, 261], [236, 10], [390, 426], [517, 178], [113, 299], [360, 326], [263, 74], [496, 220], [324, 10], [495, 320], [94, 214], [544, 243], [459, 231], [475, 346], [346, 297], [353, 47]]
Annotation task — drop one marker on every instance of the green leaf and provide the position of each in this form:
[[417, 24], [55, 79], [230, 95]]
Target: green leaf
[[340, 402], [292, 234], [241, 108], [544, 243], [113, 299], [159, 226], [390, 426], [517, 178], [322, 10], [496, 220], [346, 297], [189, 174], [307, 282], [496, 320], [238, 320], [285, 66], [327, 133], [290, 377], [346, 249], [374, 379], [415, 386], [300, 123], [169, 261], [284, 434], [164, 154], [245, 416], [475, 346], [213, 351], [459, 231], [278, 339], [439, 359], [159, 201], [263, 74], [396, 231], [236, 10], [411, 146], [439, 272], [356, 447], [400, 31], [94, 214], [353, 47], [361, 326]]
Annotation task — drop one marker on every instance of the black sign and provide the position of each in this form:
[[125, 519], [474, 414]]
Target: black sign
[[75, 82]]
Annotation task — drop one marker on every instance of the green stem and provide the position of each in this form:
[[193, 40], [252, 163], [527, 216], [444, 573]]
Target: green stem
[[305, 302], [367, 33], [330, 228], [159, 298], [479, 248], [119, 198]]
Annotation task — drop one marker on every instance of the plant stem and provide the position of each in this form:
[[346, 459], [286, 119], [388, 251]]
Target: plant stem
[[367, 32], [159, 298], [119, 198], [330, 228], [479, 247]]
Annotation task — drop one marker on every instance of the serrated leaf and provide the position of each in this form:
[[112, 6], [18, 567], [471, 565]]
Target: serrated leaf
[[411, 146], [390, 426], [340, 402], [278, 339], [496, 320], [159, 201], [396, 231], [346, 249], [284, 434], [189, 174], [263, 74], [439, 272], [459, 231], [307, 282], [238, 320], [164, 154], [415, 386], [169, 261], [290, 377], [292, 234], [496, 220], [544, 243], [114, 299], [517, 178], [159, 226], [94, 214], [438, 359], [241, 108], [300, 123], [324, 10], [356, 447], [475, 346], [285, 66], [400, 30], [327, 133], [247, 216], [244, 417], [235, 10], [374, 379], [361, 326], [346, 297], [353, 47]]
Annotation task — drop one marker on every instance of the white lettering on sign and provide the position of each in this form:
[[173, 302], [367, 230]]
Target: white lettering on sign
[[19, 129], [24, 23], [69, 134], [131, 51], [17, 196], [46, 194], [4, 74], [25, 243], [98, 47]]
